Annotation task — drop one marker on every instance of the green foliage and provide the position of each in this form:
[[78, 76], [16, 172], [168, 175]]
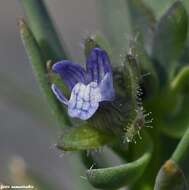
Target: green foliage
[[152, 76]]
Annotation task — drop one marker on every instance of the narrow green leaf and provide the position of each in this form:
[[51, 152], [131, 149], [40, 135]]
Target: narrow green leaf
[[170, 35], [142, 21], [43, 29], [83, 138], [180, 83], [38, 64], [126, 174]]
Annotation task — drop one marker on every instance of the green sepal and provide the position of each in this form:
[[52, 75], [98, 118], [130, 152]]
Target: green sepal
[[126, 174], [170, 36], [38, 65], [134, 118], [84, 138]]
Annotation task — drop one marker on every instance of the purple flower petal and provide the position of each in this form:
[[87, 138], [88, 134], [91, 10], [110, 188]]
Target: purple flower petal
[[98, 64], [60, 96], [70, 72], [106, 88]]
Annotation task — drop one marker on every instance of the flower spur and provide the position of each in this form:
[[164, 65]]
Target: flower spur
[[88, 87]]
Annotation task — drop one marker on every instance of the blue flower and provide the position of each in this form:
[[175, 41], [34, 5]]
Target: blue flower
[[88, 87]]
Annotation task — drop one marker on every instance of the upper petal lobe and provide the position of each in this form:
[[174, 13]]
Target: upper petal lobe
[[70, 72], [98, 64]]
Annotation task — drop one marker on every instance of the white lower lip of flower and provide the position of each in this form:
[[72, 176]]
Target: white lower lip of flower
[[84, 100]]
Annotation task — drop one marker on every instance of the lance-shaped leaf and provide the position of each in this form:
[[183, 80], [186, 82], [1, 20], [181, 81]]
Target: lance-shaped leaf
[[43, 29], [38, 64], [142, 20], [175, 171], [84, 138], [180, 83], [126, 174], [170, 35]]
